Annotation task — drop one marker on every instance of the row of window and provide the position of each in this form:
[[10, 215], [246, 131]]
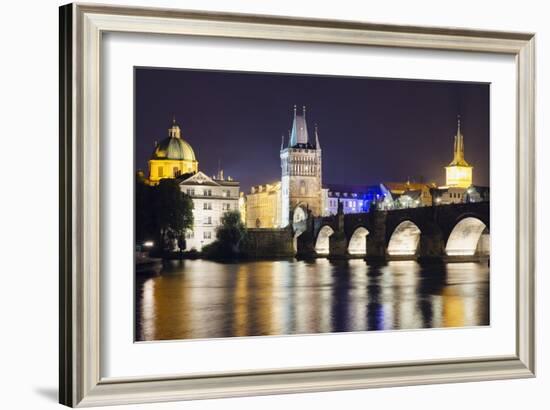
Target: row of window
[[345, 194], [208, 192], [207, 206], [333, 203], [205, 235]]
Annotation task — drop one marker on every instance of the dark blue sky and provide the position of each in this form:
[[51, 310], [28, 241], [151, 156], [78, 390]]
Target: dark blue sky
[[370, 130]]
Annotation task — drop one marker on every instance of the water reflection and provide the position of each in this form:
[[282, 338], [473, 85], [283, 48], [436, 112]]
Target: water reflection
[[203, 299]]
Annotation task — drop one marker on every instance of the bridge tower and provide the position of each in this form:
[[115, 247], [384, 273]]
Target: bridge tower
[[458, 172], [301, 170]]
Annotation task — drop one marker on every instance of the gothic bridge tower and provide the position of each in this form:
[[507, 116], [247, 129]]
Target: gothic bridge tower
[[301, 171]]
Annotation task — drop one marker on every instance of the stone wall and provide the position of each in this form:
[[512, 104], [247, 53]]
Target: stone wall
[[270, 243]]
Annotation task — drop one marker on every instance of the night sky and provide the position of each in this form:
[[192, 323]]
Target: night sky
[[370, 130]]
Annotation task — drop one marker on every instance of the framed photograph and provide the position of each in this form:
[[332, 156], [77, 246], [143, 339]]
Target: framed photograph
[[257, 205]]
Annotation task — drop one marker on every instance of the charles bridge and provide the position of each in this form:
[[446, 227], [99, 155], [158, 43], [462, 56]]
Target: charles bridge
[[450, 232]]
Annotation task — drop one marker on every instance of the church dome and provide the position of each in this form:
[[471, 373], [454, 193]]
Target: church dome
[[174, 147]]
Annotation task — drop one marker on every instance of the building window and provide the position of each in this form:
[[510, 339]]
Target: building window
[[190, 192], [207, 192], [207, 206], [226, 207], [189, 235], [208, 220], [207, 235], [161, 172], [227, 193], [177, 172], [303, 189]]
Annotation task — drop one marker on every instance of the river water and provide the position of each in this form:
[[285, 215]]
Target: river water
[[203, 299]]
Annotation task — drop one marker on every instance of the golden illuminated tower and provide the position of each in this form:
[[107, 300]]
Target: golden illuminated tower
[[172, 157], [459, 172]]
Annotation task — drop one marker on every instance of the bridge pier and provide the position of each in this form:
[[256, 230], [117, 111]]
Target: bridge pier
[[431, 245], [376, 240], [338, 246], [305, 245]]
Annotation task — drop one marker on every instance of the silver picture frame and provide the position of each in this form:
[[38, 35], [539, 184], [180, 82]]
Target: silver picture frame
[[81, 30]]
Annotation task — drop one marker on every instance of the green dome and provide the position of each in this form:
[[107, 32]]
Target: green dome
[[174, 148]]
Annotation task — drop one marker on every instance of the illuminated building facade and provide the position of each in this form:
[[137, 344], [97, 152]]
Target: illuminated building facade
[[212, 197], [409, 194], [459, 172], [263, 206], [172, 157], [242, 207], [301, 170], [449, 195], [354, 198]]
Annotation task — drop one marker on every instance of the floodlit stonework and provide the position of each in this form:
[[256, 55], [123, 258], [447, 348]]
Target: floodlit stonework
[[301, 171], [263, 206]]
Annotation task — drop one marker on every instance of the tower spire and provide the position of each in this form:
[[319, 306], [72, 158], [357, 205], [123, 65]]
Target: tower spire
[[317, 144], [458, 154], [459, 172], [299, 134], [459, 144]]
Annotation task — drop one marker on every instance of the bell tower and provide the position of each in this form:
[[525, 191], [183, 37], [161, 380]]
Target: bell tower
[[301, 170], [458, 172]]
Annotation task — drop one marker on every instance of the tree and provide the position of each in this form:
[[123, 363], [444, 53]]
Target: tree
[[143, 215], [162, 212], [172, 210], [231, 230], [230, 235]]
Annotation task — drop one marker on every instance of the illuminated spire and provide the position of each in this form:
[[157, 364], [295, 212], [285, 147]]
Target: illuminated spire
[[458, 155]]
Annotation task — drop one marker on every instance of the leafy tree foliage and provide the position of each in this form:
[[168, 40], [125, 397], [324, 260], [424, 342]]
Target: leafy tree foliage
[[162, 212], [230, 235]]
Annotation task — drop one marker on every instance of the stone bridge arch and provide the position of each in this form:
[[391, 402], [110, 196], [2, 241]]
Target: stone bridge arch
[[322, 242], [424, 232], [468, 237], [403, 239], [357, 244], [299, 218]]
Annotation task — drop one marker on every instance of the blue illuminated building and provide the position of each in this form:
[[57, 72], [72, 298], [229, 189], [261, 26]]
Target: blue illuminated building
[[354, 198]]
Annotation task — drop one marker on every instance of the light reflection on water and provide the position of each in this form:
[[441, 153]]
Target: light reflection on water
[[202, 299]]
